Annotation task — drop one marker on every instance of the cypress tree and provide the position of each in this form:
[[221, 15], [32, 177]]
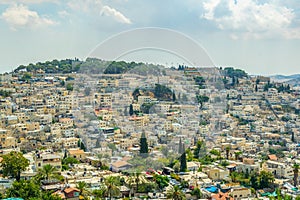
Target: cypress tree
[[183, 165], [143, 145], [233, 81], [293, 136], [65, 154], [174, 96], [82, 146], [131, 110]]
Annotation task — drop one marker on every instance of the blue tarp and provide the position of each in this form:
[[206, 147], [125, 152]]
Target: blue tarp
[[212, 189]]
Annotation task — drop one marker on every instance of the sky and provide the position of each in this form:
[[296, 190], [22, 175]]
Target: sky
[[259, 36]]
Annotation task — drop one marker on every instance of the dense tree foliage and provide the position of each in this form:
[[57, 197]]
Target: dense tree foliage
[[201, 99], [13, 164], [68, 161], [237, 73], [162, 92], [265, 178], [120, 67], [29, 190], [24, 189], [200, 81], [54, 66], [161, 181], [280, 88], [25, 77]]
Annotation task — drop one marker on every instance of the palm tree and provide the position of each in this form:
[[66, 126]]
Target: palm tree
[[81, 186], [112, 188], [99, 193], [137, 179], [47, 172], [296, 172], [175, 193], [234, 176]]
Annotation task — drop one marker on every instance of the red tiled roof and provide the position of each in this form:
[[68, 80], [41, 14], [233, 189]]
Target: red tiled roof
[[76, 151], [68, 190], [272, 157], [120, 163], [221, 196]]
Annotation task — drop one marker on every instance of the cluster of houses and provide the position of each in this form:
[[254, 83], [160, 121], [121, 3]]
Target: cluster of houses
[[92, 121]]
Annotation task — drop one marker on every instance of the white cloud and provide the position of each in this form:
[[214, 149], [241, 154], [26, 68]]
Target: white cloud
[[118, 16], [94, 6], [248, 18], [209, 7], [20, 16]]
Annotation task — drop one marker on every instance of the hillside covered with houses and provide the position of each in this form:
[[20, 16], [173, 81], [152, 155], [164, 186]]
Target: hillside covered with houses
[[97, 129]]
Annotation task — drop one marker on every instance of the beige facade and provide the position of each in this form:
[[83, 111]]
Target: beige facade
[[103, 100], [42, 159], [6, 141], [70, 142], [280, 170], [77, 153], [33, 126], [217, 174], [240, 193]]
